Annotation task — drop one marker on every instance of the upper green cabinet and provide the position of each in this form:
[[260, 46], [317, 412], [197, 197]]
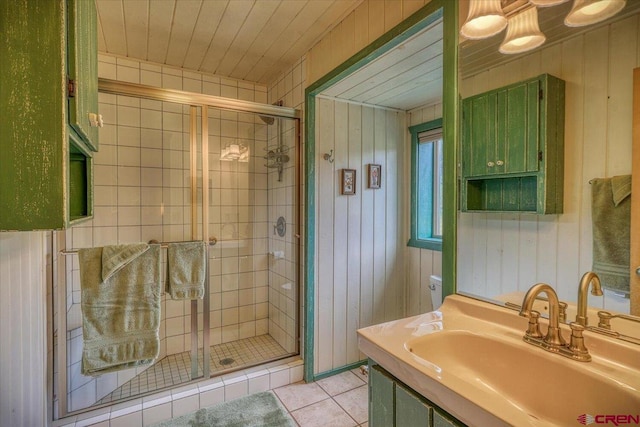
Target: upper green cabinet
[[82, 48], [45, 165], [512, 148]]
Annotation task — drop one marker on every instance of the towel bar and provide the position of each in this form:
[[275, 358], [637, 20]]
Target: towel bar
[[164, 245]]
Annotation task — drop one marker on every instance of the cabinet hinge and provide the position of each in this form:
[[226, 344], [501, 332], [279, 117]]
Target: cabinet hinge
[[71, 88], [541, 94], [539, 156]]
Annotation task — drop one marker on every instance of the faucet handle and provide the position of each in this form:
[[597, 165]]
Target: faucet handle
[[604, 319], [576, 345], [562, 316], [533, 330]]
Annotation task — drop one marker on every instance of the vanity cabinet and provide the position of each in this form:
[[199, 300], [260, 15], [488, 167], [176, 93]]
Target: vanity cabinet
[[48, 52], [512, 148], [392, 403]]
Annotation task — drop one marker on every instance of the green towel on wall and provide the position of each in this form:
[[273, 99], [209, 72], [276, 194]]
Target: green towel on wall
[[120, 307], [611, 213], [186, 266]]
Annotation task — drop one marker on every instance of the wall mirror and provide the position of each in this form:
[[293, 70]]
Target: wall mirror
[[502, 254]]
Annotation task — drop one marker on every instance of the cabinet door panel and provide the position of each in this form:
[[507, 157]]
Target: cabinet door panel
[[411, 410], [83, 68], [381, 398], [515, 155], [536, 125], [480, 134]]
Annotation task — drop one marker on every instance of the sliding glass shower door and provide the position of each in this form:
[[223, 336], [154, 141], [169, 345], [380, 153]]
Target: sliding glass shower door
[[172, 171]]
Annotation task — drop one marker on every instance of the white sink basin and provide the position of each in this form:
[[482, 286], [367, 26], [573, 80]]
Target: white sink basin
[[552, 387], [469, 358]]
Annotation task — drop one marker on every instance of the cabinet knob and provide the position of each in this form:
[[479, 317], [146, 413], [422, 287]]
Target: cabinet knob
[[491, 164], [499, 163]]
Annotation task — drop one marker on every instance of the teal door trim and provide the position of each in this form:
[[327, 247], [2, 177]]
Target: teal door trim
[[425, 16]]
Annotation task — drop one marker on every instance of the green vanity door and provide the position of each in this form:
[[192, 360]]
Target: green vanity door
[[381, 398], [83, 69], [411, 409], [393, 404]]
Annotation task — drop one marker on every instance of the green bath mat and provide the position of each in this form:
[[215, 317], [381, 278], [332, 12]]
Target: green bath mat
[[257, 410]]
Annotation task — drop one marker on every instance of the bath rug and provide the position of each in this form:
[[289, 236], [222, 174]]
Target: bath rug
[[256, 410]]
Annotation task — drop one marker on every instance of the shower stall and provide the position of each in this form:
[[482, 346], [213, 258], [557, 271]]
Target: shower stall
[[177, 166]]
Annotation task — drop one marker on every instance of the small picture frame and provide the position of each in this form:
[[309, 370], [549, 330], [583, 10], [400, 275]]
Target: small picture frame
[[348, 182], [375, 175]]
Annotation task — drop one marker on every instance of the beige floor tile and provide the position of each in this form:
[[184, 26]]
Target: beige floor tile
[[296, 396], [355, 402], [325, 413], [340, 383]]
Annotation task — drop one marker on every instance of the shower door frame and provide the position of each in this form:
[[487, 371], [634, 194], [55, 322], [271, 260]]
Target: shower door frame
[[193, 100]]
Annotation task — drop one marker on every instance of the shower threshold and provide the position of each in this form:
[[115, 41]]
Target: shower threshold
[[175, 369]]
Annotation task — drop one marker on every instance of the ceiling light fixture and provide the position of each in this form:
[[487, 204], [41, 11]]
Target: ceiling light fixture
[[523, 32], [587, 12], [487, 18]]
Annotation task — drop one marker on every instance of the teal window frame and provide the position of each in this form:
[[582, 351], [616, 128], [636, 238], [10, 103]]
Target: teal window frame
[[432, 243]]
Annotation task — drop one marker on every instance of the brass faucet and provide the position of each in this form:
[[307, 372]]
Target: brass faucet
[[553, 340], [553, 336], [588, 278]]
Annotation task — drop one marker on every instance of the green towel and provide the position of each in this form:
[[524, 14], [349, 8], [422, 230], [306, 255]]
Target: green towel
[[121, 291], [611, 212], [186, 265]]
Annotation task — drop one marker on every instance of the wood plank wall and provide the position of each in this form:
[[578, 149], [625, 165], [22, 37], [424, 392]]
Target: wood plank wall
[[360, 253], [498, 253], [23, 353], [365, 24]]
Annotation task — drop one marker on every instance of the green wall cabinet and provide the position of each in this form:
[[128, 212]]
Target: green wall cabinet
[[45, 158], [393, 404], [82, 53], [512, 148]]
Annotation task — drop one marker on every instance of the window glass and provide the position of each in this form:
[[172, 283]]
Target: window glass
[[426, 186]]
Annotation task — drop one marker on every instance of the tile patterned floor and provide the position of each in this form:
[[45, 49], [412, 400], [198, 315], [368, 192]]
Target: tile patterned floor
[[337, 401], [176, 368]]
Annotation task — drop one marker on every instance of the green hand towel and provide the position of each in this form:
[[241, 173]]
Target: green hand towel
[[186, 264], [120, 310], [611, 215]]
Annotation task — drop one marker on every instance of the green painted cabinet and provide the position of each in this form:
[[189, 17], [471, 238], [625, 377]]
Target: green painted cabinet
[[512, 148], [45, 165], [393, 404], [82, 48]]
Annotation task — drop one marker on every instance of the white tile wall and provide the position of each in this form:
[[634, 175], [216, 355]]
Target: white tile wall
[[282, 292]]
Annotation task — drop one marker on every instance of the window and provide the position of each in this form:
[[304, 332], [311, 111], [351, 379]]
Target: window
[[426, 185]]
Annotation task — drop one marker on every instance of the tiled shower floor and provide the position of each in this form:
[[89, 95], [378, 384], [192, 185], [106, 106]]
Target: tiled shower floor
[[176, 368]]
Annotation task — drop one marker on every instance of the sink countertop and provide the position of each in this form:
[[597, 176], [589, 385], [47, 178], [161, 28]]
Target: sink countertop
[[475, 402]]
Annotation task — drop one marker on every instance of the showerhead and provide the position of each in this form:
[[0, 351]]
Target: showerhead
[[267, 119]]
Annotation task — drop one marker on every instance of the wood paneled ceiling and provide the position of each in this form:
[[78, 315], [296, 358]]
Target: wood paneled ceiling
[[252, 40], [406, 77]]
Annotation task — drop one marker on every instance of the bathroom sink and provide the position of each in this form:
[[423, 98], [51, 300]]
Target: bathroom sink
[[544, 385], [469, 358]]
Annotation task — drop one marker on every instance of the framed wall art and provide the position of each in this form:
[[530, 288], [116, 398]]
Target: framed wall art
[[375, 175], [348, 182]]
